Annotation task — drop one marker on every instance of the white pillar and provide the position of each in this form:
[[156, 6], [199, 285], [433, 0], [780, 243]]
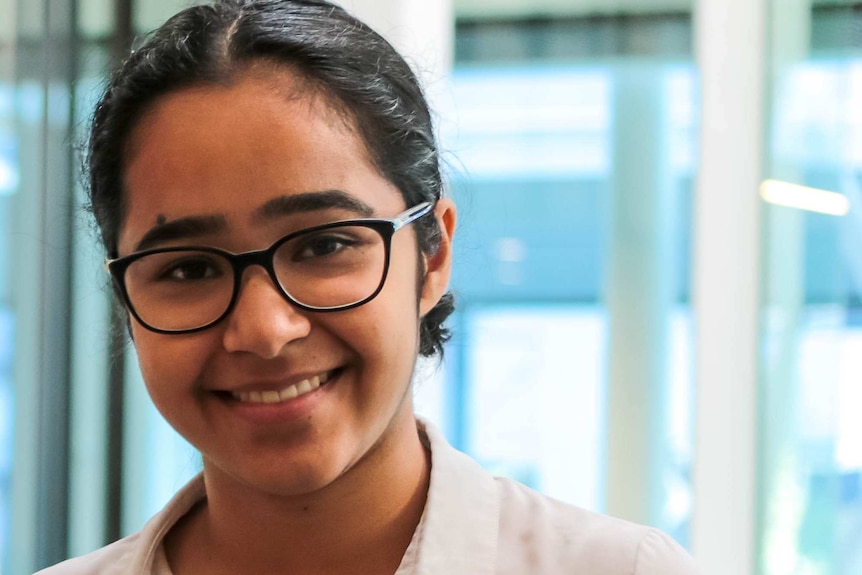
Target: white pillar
[[423, 31], [730, 49], [640, 295]]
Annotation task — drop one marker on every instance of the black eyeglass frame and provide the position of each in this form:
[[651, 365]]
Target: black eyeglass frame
[[264, 258]]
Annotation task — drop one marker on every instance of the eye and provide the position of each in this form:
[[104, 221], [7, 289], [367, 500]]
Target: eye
[[322, 245], [192, 268]]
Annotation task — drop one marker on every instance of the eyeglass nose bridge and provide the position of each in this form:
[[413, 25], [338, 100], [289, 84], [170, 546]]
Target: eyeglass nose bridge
[[263, 258]]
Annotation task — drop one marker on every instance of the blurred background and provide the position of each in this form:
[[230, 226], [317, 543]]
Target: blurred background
[[658, 270]]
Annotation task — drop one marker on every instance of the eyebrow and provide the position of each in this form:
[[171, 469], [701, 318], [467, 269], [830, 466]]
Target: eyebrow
[[183, 228], [313, 201], [198, 226]]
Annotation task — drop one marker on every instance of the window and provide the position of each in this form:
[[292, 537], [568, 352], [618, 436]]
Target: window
[[574, 141], [811, 464]]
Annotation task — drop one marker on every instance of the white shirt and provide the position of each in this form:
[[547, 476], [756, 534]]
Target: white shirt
[[473, 523]]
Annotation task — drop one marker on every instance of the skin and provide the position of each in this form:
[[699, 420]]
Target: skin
[[336, 484]]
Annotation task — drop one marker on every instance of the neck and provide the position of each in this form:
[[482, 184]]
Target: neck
[[361, 523]]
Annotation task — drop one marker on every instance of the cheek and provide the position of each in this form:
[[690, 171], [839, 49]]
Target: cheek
[[169, 364], [384, 331], [392, 317]]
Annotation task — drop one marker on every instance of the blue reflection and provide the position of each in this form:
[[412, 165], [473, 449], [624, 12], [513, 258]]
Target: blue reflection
[[9, 177], [538, 151], [7, 423]]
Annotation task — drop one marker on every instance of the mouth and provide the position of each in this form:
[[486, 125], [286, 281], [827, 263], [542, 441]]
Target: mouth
[[273, 396]]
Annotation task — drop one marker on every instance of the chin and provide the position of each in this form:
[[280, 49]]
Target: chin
[[281, 476]]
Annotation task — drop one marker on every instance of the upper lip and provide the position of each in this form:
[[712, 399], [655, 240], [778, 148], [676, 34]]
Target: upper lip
[[266, 384]]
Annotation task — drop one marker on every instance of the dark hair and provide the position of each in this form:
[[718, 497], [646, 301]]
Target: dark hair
[[360, 74]]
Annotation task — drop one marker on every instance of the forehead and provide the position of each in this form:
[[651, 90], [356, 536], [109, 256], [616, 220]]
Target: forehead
[[229, 149], [274, 91], [256, 118]]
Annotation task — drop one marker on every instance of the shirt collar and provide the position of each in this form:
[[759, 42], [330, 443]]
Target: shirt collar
[[459, 529]]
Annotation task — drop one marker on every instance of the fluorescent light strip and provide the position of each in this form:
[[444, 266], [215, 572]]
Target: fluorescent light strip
[[804, 198]]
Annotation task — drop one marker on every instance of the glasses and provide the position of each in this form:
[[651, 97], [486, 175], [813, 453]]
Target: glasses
[[331, 267]]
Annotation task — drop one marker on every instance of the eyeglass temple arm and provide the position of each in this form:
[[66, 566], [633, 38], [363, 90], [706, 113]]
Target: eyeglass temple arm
[[412, 214]]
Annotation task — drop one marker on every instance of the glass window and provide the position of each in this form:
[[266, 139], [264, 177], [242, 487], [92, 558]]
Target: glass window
[[8, 186], [811, 463], [539, 363], [574, 141]]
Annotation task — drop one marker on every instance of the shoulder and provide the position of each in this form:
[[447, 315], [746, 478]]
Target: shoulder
[[114, 559], [484, 525], [538, 534]]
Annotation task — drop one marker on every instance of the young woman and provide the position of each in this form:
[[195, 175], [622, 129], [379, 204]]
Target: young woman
[[265, 177]]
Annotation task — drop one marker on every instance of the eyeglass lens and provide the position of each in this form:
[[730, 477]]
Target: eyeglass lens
[[329, 268]]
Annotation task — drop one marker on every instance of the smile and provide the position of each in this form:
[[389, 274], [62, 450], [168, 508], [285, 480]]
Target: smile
[[280, 395]]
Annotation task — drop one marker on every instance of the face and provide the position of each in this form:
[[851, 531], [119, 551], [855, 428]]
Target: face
[[220, 166]]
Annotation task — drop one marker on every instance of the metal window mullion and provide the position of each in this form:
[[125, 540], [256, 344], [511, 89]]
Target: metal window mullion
[[123, 35], [57, 214], [41, 300]]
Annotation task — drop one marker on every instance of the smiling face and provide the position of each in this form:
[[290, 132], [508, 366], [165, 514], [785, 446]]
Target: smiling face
[[237, 167]]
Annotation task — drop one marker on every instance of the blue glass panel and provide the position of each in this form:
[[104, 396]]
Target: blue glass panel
[[811, 459], [8, 186], [7, 422], [527, 375]]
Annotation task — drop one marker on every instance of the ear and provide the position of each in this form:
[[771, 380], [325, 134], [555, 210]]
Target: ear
[[438, 267]]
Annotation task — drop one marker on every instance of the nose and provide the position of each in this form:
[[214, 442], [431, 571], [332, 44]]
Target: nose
[[262, 321]]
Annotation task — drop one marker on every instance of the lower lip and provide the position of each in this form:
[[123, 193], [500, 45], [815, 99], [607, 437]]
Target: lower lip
[[294, 409]]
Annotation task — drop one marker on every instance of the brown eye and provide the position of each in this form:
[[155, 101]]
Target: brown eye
[[191, 269], [322, 245]]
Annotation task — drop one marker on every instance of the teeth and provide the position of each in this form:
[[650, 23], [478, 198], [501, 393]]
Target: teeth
[[277, 396]]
